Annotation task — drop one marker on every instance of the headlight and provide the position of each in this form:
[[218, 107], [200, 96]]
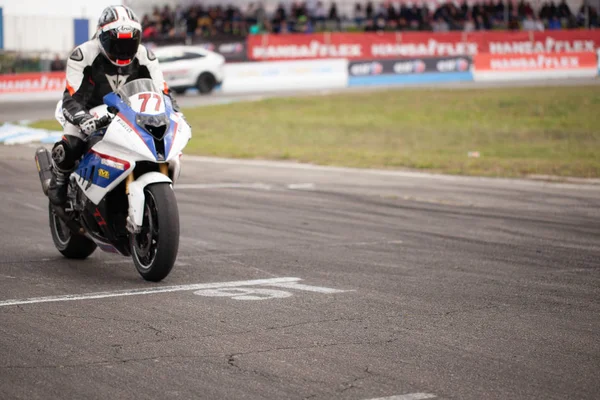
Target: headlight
[[156, 125]]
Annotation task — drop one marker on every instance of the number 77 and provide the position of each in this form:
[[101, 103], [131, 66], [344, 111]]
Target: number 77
[[145, 97]]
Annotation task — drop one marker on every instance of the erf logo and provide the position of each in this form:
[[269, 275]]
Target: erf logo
[[408, 67], [372, 68], [207, 46], [231, 48], [458, 64]]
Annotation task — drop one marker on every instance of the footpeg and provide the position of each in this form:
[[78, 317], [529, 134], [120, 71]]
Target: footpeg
[[73, 226]]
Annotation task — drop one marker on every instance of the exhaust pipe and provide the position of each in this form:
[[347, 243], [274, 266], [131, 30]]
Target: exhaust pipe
[[44, 164]]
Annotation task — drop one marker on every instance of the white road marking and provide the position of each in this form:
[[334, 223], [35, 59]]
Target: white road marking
[[244, 294], [134, 292], [34, 207], [254, 185], [265, 294], [308, 288], [579, 184], [363, 243], [410, 396], [258, 186], [301, 186]]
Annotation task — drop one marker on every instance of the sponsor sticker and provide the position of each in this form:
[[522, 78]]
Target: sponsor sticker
[[453, 65], [409, 67], [535, 62], [113, 164], [550, 45], [124, 125], [369, 68], [231, 48], [102, 173], [430, 48], [315, 49]]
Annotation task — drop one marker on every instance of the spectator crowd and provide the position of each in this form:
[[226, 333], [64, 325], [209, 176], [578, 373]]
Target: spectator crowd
[[312, 16]]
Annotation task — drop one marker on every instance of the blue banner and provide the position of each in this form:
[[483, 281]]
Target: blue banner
[[434, 77], [82, 31], [1, 29], [407, 71]]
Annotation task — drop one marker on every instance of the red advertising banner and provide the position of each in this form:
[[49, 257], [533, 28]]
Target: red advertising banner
[[540, 42], [356, 46], [535, 62], [32, 82]]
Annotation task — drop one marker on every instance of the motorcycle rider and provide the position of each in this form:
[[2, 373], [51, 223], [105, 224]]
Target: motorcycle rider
[[113, 57]]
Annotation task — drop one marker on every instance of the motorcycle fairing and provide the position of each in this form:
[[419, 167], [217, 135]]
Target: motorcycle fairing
[[98, 173], [101, 170], [128, 115]]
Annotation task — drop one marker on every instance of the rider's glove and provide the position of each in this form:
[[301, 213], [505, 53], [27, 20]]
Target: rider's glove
[[88, 124]]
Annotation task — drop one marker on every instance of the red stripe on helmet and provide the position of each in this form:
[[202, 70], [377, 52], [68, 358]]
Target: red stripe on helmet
[[124, 35]]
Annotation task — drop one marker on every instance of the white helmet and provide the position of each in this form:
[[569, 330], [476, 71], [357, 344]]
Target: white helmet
[[119, 34]]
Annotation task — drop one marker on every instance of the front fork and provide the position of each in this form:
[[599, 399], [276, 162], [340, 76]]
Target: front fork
[[169, 172]]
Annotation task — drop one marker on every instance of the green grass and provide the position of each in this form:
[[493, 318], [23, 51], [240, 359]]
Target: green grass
[[520, 131]]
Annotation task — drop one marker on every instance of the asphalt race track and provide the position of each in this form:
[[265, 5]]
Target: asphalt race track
[[298, 282]]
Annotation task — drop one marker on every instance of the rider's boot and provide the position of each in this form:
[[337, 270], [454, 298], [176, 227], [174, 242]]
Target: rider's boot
[[59, 186]]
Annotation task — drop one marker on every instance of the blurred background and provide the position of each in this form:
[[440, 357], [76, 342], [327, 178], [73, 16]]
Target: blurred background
[[37, 35]]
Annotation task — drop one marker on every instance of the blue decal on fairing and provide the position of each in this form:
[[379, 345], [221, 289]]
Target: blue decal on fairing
[[170, 136], [93, 169]]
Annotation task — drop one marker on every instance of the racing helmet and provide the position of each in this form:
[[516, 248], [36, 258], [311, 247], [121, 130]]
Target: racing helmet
[[119, 34]]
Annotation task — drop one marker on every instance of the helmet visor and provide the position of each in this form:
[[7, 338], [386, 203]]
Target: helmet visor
[[119, 46]]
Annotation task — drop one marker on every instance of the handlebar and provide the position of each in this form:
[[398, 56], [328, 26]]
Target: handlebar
[[103, 121]]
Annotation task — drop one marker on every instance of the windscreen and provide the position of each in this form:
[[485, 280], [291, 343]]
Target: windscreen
[[136, 86]]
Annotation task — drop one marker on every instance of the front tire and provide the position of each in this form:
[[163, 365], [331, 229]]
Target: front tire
[[155, 248], [69, 245]]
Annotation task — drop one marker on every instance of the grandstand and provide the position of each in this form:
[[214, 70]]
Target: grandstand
[[239, 17], [345, 7]]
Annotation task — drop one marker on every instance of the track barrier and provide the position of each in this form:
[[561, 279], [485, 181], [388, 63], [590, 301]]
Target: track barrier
[[338, 60]]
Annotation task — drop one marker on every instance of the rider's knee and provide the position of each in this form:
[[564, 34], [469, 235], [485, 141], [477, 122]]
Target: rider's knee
[[67, 151]]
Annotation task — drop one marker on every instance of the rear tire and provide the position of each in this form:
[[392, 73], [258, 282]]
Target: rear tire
[[206, 83], [155, 248], [68, 244]]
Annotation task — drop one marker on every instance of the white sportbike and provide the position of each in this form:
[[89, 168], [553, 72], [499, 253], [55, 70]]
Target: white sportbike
[[121, 196]]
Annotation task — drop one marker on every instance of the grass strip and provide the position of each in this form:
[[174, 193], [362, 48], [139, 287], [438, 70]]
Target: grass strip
[[516, 131]]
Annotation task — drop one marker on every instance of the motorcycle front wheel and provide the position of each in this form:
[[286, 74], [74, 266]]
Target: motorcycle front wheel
[[155, 248]]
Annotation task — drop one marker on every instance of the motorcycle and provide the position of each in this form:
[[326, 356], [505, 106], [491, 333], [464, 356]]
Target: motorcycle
[[121, 197]]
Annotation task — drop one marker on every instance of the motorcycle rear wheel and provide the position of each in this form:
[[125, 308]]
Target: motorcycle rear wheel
[[155, 248], [69, 245]]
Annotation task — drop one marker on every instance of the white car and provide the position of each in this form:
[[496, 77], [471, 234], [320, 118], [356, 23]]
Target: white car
[[185, 67]]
